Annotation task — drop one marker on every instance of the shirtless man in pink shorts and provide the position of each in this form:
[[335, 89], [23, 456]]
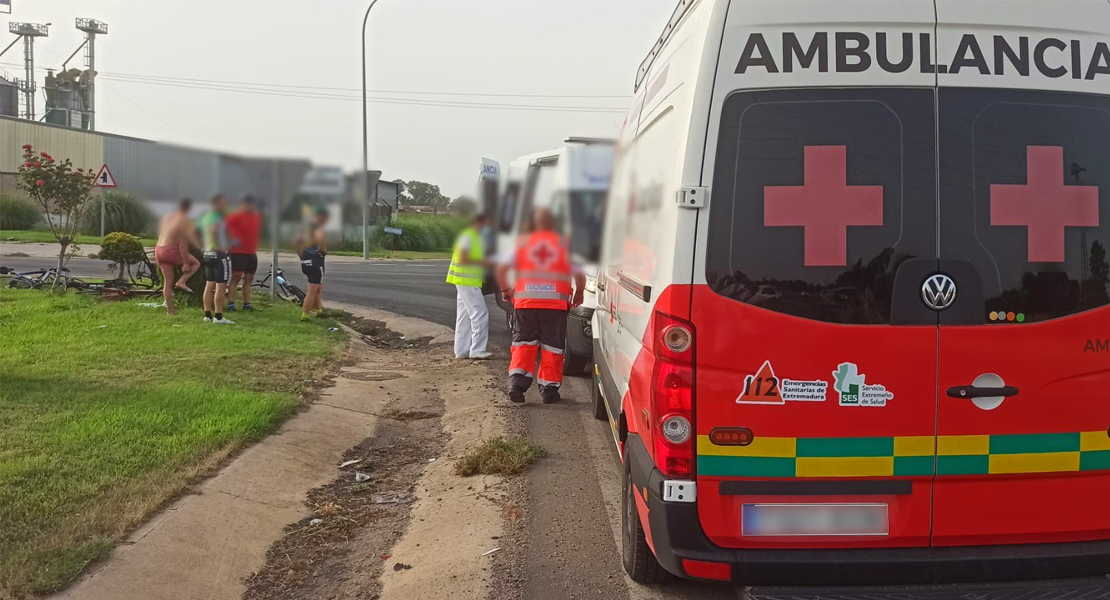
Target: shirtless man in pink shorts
[[174, 235]]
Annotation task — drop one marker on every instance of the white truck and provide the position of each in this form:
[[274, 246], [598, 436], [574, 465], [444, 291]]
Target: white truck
[[573, 181]]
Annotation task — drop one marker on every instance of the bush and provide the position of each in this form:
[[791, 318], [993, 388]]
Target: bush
[[18, 214], [124, 213], [123, 250], [500, 456], [421, 233]]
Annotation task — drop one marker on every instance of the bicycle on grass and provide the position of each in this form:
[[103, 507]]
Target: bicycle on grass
[[285, 290]]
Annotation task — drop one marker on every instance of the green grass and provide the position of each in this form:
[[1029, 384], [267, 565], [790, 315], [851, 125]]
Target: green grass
[[500, 456], [38, 236], [109, 410]]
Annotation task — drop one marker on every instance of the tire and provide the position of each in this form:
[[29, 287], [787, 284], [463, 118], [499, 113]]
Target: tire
[[21, 283], [574, 364], [298, 293], [600, 412], [639, 562]]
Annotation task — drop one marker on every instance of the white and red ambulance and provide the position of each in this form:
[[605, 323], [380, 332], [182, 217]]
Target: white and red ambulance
[[853, 315]]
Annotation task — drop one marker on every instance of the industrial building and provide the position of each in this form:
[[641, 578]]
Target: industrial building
[[163, 173]]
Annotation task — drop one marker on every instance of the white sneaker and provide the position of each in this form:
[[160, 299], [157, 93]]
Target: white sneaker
[[207, 319], [224, 321], [481, 355]]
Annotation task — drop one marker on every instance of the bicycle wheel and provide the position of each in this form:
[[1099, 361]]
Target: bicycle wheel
[[21, 283], [144, 278], [298, 293], [81, 285]]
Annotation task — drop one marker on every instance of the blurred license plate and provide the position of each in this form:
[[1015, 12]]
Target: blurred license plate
[[814, 519]]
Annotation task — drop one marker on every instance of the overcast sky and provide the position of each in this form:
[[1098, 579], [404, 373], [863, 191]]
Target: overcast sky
[[460, 47]]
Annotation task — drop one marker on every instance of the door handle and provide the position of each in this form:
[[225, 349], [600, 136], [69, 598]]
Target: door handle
[[972, 392]]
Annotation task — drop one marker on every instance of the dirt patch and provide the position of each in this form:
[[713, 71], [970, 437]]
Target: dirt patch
[[374, 376], [17, 254], [377, 333], [342, 549], [408, 415]]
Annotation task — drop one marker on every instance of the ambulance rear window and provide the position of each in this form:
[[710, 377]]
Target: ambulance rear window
[[819, 196], [1025, 198]]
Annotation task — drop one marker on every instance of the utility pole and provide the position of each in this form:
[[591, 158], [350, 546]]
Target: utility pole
[[92, 28], [275, 224], [365, 147], [28, 31]]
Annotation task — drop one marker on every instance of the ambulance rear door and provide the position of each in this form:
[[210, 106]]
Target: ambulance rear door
[[1024, 407]]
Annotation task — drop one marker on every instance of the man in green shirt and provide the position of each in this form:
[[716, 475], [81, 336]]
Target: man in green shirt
[[217, 265], [467, 272]]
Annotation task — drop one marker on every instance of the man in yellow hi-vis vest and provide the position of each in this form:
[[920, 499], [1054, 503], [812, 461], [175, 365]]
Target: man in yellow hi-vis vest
[[467, 272]]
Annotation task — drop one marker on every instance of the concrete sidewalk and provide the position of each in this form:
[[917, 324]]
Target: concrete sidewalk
[[206, 543]]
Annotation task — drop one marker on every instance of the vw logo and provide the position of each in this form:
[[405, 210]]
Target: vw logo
[[939, 292]]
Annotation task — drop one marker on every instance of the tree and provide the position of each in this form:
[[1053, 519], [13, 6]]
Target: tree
[[60, 192], [402, 197], [426, 194], [464, 206], [122, 250]]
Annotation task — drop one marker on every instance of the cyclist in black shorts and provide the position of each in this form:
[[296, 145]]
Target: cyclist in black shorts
[[312, 248], [217, 265]]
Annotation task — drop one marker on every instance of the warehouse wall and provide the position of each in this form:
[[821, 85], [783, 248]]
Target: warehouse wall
[[86, 150], [160, 172], [150, 170]]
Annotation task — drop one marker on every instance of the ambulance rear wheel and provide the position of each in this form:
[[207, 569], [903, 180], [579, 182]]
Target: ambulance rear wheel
[[599, 402], [639, 562]]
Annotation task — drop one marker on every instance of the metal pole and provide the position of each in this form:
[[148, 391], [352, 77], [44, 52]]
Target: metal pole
[[102, 211], [91, 50], [275, 224], [29, 64], [365, 146]]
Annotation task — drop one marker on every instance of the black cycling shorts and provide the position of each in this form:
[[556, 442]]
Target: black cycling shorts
[[217, 267], [313, 268], [244, 263]]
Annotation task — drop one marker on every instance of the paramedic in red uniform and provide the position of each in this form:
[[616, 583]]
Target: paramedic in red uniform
[[541, 297]]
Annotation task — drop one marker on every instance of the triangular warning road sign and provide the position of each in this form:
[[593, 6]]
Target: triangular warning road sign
[[761, 388], [104, 178]]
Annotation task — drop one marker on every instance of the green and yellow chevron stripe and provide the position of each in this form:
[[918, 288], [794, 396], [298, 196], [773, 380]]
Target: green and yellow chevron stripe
[[907, 456]]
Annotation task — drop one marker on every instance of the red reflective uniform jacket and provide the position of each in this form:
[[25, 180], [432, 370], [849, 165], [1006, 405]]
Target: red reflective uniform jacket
[[543, 273]]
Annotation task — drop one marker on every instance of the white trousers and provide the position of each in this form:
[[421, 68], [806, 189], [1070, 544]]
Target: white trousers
[[471, 321]]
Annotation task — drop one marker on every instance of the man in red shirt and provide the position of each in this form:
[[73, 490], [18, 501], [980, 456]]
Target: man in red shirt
[[245, 228]]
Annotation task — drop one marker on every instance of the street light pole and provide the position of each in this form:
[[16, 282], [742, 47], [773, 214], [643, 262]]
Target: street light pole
[[275, 225], [365, 146]]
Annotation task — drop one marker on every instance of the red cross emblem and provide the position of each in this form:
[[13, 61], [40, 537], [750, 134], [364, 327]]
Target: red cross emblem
[[1045, 205], [825, 206], [542, 254]]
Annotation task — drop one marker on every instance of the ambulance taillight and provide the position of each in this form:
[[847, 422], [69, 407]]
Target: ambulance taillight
[[672, 396]]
